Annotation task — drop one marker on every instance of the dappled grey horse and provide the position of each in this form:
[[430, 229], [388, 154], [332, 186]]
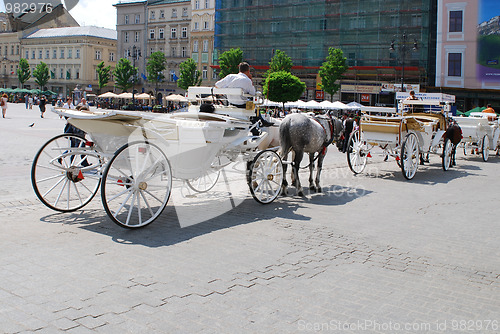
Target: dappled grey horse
[[307, 134]]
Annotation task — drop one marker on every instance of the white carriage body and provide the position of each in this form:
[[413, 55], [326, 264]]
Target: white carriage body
[[478, 125]]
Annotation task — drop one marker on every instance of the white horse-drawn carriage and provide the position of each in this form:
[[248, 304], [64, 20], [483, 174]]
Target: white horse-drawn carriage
[[133, 157], [417, 129], [480, 133]]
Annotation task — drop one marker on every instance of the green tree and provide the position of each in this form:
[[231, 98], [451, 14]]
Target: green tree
[[283, 87], [229, 61], [331, 71], [124, 73], [103, 75], [23, 72], [189, 75], [154, 68], [41, 75], [279, 62]]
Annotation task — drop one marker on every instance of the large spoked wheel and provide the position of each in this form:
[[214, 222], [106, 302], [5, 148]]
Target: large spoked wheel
[[356, 153], [66, 173], [467, 148], [485, 148], [265, 177], [136, 185], [410, 156], [447, 154], [208, 180]]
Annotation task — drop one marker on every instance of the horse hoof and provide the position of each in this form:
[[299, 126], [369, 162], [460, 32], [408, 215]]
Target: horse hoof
[[313, 188], [300, 193], [319, 190]]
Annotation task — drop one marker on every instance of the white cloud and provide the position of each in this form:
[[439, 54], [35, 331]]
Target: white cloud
[[100, 13]]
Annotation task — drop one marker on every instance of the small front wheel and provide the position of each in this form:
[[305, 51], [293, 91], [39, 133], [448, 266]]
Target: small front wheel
[[485, 148], [356, 153], [136, 185], [447, 154], [208, 180], [410, 156], [265, 178]]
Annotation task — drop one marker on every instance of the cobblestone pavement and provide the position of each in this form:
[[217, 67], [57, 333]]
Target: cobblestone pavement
[[372, 253]]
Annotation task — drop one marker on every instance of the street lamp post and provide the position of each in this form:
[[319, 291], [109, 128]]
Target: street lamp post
[[403, 49], [136, 53]]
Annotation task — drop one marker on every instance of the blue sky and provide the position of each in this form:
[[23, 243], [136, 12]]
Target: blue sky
[[488, 9]]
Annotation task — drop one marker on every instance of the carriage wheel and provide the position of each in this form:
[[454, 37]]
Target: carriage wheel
[[467, 148], [65, 173], [208, 180], [136, 185], [447, 154], [409, 156], [485, 148], [265, 177], [356, 155]]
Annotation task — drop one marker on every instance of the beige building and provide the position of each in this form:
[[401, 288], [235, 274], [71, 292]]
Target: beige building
[[72, 55], [202, 39], [12, 29]]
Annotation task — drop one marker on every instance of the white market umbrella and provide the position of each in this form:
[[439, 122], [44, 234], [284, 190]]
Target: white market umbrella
[[269, 103], [108, 95], [143, 96], [295, 104], [355, 105], [340, 106], [312, 105], [176, 98], [326, 104], [124, 96]]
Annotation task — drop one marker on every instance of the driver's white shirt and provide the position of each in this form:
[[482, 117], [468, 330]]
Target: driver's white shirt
[[240, 80]]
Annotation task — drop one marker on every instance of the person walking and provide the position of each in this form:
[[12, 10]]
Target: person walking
[[42, 104], [30, 102], [26, 100], [3, 103]]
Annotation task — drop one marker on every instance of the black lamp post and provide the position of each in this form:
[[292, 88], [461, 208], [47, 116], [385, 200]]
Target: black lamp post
[[403, 49], [136, 53]]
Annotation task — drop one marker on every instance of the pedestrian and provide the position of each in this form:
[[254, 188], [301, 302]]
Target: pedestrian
[[30, 102], [26, 100], [42, 104], [3, 103]]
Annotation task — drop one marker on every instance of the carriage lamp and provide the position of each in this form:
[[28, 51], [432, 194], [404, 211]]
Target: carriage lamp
[[403, 47]]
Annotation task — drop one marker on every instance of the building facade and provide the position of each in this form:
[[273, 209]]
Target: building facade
[[468, 52], [364, 30], [71, 54], [202, 39]]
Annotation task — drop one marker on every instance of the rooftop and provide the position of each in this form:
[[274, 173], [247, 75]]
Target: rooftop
[[75, 31]]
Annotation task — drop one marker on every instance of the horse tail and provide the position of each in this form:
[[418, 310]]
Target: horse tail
[[285, 138]]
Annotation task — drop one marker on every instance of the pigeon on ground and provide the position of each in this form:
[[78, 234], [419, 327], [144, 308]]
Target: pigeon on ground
[[31, 125]]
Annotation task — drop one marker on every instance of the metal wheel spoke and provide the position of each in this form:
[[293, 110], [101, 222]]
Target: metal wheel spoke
[[55, 185]]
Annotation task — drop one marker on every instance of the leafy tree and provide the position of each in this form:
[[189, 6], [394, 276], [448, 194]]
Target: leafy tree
[[41, 75], [332, 70], [189, 75], [23, 72], [154, 68], [229, 61], [283, 87], [280, 62], [103, 75], [124, 73]]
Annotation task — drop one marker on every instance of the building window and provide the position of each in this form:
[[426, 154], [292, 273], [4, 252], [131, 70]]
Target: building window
[[137, 18], [207, 3], [54, 54], [184, 32], [172, 75], [126, 19], [111, 56], [455, 64], [161, 33], [125, 36], [77, 54], [183, 52], [174, 52], [12, 50], [47, 54], [184, 12], [40, 54], [32, 54], [173, 33], [456, 21], [205, 25], [196, 26], [136, 36], [70, 53], [214, 74], [205, 45], [27, 54], [197, 4], [162, 14], [68, 74], [174, 12], [416, 20], [17, 49], [195, 46], [62, 54], [98, 54], [152, 15], [204, 73], [151, 34], [61, 73], [77, 73]]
